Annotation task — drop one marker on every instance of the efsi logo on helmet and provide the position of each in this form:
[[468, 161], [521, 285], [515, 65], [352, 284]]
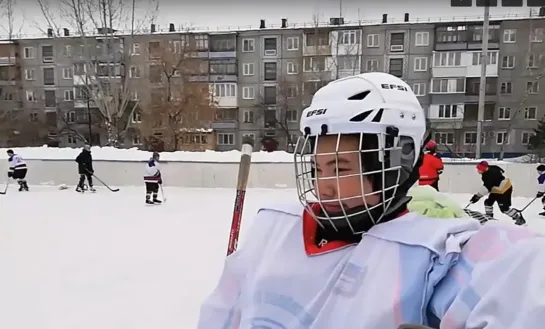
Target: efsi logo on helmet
[[393, 87], [316, 112]]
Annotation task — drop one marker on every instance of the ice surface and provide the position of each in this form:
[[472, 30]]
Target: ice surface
[[133, 154], [107, 261]]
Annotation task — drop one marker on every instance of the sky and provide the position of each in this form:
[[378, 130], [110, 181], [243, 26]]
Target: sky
[[216, 14]]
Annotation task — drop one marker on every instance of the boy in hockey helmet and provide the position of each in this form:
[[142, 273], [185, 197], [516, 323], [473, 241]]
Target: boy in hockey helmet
[[432, 166], [152, 179], [363, 260]]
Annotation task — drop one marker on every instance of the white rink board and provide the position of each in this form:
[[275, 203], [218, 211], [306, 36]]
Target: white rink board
[[456, 178]]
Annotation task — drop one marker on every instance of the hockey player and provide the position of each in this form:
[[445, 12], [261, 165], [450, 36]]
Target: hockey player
[[152, 178], [85, 169], [499, 189], [541, 186], [17, 169], [432, 166], [351, 256]]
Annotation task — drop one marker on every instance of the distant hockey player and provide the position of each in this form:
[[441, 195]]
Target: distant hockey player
[[85, 169], [348, 254], [499, 189], [432, 166], [17, 169], [541, 186], [152, 178]]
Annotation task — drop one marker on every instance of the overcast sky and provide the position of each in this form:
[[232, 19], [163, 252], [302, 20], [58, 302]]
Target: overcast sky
[[243, 13]]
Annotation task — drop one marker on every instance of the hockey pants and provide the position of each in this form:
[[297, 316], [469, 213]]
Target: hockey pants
[[152, 189], [82, 180], [504, 203]]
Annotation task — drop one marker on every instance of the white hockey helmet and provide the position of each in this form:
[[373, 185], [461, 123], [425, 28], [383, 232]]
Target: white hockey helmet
[[384, 112]]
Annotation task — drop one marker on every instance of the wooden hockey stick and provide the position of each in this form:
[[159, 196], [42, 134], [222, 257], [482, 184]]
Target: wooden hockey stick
[[242, 182]]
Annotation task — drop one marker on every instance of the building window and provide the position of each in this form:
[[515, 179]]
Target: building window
[[396, 67], [49, 76], [532, 87], [450, 85], [506, 88], [446, 138], [225, 139], [530, 113], [509, 36], [68, 95], [372, 41], [29, 74], [134, 72], [419, 89], [50, 98], [67, 73], [492, 58], [536, 34], [504, 113], [448, 111], [470, 138], [248, 116], [422, 39], [47, 54], [372, 65], [29, 52], [420, 64], [349, 37], [502, 138], [269, 70], [248, 45], [525, 137], [248, 69], [269, 95], [447, 59], [225, 90], [269, 45], [248, 93], [293, 43], [508, 62], [292, 68], [292, 115]]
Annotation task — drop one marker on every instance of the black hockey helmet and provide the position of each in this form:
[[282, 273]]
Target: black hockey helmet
[[10, 152], [541, 167], [156, 156]]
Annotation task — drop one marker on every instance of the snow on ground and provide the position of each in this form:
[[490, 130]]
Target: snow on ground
[[107, 261], [133, 154]]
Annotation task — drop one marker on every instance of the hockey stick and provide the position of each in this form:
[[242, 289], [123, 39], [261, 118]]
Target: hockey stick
[[242, 182], [109, 188], [529, 203], [6, 188], [163, 193]]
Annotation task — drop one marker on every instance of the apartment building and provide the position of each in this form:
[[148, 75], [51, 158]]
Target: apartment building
[[10, 84], [261, 79]]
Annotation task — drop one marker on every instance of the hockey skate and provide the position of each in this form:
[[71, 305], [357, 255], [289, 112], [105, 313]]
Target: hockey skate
[[157, 201]]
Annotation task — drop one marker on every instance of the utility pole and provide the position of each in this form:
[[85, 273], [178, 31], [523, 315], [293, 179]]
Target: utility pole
[[482, 85], [89, 119]]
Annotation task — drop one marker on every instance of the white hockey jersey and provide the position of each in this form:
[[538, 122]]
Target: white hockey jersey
[[153, 174], [16, 163], [412, 269]]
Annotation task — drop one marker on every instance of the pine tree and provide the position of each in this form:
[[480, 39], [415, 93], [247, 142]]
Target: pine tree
[[537, 141]]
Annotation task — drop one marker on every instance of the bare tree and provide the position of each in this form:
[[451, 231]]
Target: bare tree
[[535, 66], [8, 18], [106, 30], [179, 107]]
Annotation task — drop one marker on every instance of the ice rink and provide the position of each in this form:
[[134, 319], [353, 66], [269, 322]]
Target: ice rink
[[108, 261]]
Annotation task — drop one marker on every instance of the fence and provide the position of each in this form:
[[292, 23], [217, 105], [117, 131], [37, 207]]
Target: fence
[[456, 178]]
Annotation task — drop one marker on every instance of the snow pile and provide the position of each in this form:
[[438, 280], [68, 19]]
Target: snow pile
[[133, 154]]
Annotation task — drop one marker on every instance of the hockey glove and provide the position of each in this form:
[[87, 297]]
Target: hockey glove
[[160, 181], [475, 198], [540, 194], [10, 174]]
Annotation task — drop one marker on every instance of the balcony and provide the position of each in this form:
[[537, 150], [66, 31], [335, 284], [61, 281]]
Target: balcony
[[222, 46], [225, 119], [224, 94], [448, 64], [317, 43], [223, 70], [446, 116], [473, 86], [471, 111], [465, 37], [7, 61]]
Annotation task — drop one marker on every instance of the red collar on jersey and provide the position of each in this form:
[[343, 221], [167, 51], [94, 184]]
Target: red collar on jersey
[[310, 229]]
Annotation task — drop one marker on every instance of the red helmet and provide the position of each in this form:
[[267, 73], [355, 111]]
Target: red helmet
[[431, 145], [482, 166]]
